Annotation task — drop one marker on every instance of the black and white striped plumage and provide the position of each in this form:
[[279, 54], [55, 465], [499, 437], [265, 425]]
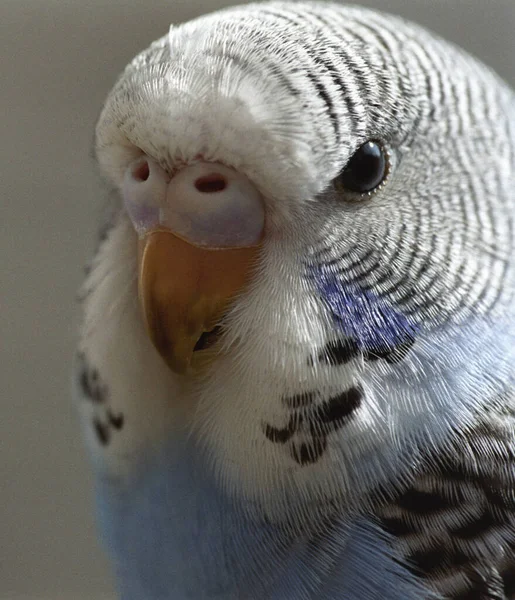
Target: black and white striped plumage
[[366, 373]]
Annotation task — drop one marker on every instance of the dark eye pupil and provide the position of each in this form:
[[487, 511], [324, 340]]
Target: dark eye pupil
[[365, 170]]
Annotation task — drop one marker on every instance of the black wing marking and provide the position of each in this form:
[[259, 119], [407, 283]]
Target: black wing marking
[[455, 525], [104, 420]]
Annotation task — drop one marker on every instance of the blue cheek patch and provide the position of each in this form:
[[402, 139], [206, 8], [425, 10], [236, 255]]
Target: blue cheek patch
[[369, 321]]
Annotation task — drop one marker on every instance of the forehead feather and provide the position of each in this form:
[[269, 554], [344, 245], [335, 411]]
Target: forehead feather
[[255, 90]]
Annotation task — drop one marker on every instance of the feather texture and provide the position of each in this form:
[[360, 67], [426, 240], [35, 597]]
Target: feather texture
[[360, 409]]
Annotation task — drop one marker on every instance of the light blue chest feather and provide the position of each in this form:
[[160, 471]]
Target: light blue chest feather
[[174, 536]]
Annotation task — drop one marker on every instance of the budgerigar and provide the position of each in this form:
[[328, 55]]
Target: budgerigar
[[296, 364]]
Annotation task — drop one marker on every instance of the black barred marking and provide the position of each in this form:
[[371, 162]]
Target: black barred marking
[[508, 577], [323, 62], [398, 527], [283, 435], [338, 408], [116, 421], [389, 273], [423, 502], [473, 478], [97, 393], [426, 561], [340, 352], [484, 587], [344, 83], [259, 69], [299, 400], [309, 453], [102, 432], [104, 428], [309, 426], [437, 559], [90, 382], [479, 526], [326, 99], [500, 498], [350, 264], [455, 471]]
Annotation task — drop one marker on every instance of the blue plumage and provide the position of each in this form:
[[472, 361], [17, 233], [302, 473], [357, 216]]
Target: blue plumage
[[177, 536], [366, 319]]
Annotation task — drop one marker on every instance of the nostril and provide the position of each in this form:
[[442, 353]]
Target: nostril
[[141, 171], [209, 184]]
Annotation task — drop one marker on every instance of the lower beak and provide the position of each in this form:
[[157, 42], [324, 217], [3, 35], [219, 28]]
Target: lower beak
[[185, 290]]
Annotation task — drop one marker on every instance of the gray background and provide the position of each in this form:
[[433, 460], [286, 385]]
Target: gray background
[[58, 59]]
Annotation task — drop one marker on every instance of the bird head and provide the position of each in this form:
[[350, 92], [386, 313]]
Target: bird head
[[318, 205]]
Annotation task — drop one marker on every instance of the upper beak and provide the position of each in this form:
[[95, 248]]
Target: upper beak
[[200, 235]]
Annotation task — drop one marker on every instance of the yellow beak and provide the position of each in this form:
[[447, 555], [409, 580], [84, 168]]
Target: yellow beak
[[185, 290]]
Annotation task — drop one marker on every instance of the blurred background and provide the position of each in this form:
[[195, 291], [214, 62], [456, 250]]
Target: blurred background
[[58, 59]]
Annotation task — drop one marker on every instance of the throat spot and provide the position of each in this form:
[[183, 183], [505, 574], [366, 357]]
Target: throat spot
[[310, 423]]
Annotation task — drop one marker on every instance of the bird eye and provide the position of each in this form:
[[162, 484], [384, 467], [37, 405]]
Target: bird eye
[[366, 169]]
